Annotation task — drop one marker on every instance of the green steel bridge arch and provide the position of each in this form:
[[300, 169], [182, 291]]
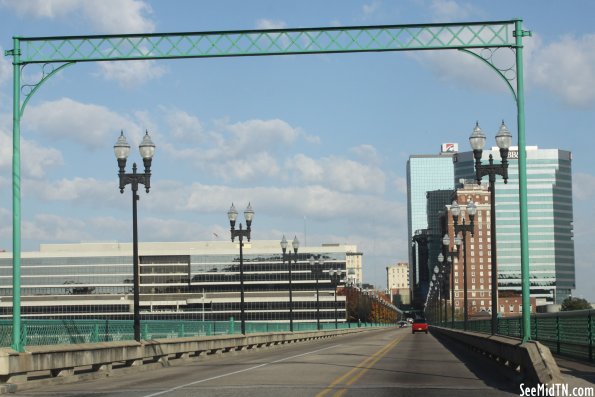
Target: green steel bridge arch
[[480, 39]]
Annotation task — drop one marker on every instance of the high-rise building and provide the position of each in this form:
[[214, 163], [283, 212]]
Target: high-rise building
[[397, 276], [550, 221], [425, 173], [478, 263], [397, 282]]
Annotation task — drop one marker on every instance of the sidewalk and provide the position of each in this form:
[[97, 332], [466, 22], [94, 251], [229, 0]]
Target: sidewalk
[[577, 373]]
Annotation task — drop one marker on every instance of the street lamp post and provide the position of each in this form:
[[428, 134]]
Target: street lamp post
[[477, 141], [295, 244], [464, 228], [436, 278], [232, 214], [147, 150], [450, 256], [444, 272], [316, 269], [335, 280]]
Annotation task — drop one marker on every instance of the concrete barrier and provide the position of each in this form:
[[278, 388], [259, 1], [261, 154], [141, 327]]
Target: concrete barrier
[[54, 364], [532, 360]]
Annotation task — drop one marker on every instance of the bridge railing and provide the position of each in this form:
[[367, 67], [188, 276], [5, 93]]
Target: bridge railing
[[67, 331], [565, 333]]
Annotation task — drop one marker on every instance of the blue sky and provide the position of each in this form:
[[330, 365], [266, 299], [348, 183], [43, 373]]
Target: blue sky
[[318, 144]]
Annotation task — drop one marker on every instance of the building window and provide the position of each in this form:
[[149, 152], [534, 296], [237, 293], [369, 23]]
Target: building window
[[511, 308]]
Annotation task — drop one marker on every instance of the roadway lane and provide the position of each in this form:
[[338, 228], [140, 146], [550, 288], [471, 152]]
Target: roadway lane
[[389, 362]]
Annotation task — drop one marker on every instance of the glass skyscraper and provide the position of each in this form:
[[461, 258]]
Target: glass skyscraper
[[551, 244], [426, 173]]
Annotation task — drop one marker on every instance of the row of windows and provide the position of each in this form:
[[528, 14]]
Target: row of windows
[[119, 291], [215, 307], [163, 277]]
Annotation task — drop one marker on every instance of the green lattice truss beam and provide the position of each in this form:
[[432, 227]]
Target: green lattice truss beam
[[267, 42]]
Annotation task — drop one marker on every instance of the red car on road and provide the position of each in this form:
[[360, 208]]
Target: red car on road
[[419, 325]]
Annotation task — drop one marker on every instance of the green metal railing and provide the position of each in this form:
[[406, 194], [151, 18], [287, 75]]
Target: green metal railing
[[565, 333], [58, 332]]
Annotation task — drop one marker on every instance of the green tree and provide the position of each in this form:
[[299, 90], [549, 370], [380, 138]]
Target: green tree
[[572, 303]]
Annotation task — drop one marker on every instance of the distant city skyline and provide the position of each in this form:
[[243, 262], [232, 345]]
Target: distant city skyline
[[318, 144]]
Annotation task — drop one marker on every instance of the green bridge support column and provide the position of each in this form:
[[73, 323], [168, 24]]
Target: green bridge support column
[[16, 197], [524, 217]]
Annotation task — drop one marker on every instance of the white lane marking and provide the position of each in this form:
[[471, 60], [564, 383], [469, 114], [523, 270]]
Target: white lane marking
[[237, 372]]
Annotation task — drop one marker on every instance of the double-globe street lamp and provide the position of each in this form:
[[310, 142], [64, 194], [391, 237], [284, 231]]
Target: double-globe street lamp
[[463, 228], [147, 150], [437, 302], [477, 141], [440, 272], [450, 257], [232, 214], [316, 269], [295, 244]]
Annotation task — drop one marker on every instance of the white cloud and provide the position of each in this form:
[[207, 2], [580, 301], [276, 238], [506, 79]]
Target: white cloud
[[450, 10], [42, 8], [315, 202], [52, 228], [242, 150], [367, 153], [270, 24], [119, 16], [131, 73], [184, 127], [75, 190], [5, 68], [35, 159], [342, 174], [451, 65], [566, 68], [105, 16], [371, 8], [88, 124]]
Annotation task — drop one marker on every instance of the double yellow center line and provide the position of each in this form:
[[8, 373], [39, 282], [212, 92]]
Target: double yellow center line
[[355, 373]]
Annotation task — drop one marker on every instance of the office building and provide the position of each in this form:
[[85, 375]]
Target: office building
[[193, 280], [397, 277], [478, 264], [425, 173], [550, 221]]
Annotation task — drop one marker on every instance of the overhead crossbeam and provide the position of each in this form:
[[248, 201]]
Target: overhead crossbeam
[[267, 42]]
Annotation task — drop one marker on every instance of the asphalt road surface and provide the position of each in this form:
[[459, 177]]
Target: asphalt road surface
[[388, 362]]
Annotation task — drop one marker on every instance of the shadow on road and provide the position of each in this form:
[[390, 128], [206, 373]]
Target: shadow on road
[[493, 374]]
